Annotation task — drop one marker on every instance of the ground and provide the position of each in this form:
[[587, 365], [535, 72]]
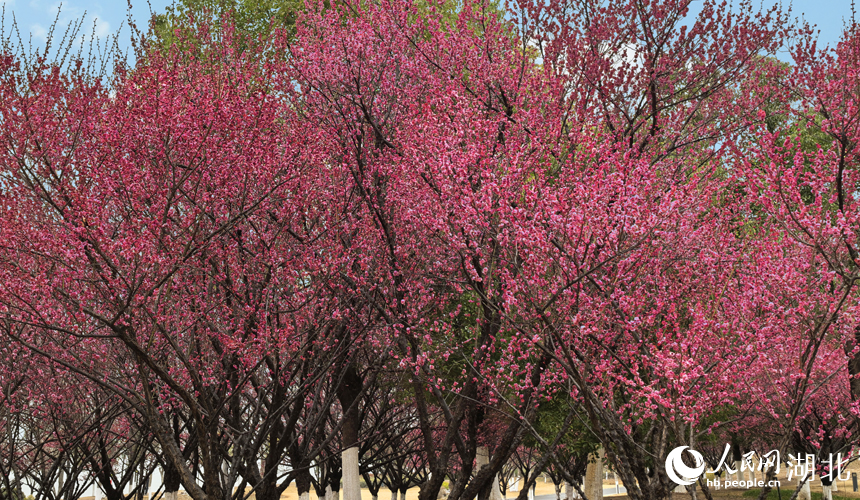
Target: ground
[[845, 491]]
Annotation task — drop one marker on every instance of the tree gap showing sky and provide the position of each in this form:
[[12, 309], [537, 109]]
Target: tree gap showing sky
[[106, 17]]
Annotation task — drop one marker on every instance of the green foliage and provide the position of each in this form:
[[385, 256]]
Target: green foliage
[[577, 441], [15, 495], [253, 19], [256, 19]]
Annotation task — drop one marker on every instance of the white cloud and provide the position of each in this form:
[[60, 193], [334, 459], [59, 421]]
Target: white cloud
[[102, 27], [39, 33], [35, 17], [66, 13]]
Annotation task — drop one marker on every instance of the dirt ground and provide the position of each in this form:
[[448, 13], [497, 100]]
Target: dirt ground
[[844, 490], [412, 494]]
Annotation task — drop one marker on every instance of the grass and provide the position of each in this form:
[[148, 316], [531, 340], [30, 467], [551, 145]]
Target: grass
[[786, 495]]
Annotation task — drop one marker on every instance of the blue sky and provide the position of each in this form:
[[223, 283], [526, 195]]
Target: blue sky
[[101, 17], [35, 16]]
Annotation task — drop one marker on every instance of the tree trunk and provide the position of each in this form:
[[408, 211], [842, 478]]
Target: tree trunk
[[351, 477], [737, 456], [347, 393], [303, 485], [827, 485], [59, 486], [739, 475], [594, 477], [482, 459], [171, 480], [496, 491], [805, 493], [530, 482]]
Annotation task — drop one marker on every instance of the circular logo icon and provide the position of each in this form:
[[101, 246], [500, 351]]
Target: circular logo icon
[[678, 471]]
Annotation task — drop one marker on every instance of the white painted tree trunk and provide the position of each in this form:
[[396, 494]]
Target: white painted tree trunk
[[532, 492], [805, 493], [482, 459], [568, 491], [374, 497], [826, 493], [557, 491], [225, 472], [402, 495], [59, 485], [351, 485], [496, 492], [594, 476], [168, 495], [833, 487], [740, 473], [305, 495], [329, 495]]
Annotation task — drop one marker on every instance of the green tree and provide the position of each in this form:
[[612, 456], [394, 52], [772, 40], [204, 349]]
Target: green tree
[[253, 20]]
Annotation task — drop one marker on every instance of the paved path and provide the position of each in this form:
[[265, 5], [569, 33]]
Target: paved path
[[607, 490]]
